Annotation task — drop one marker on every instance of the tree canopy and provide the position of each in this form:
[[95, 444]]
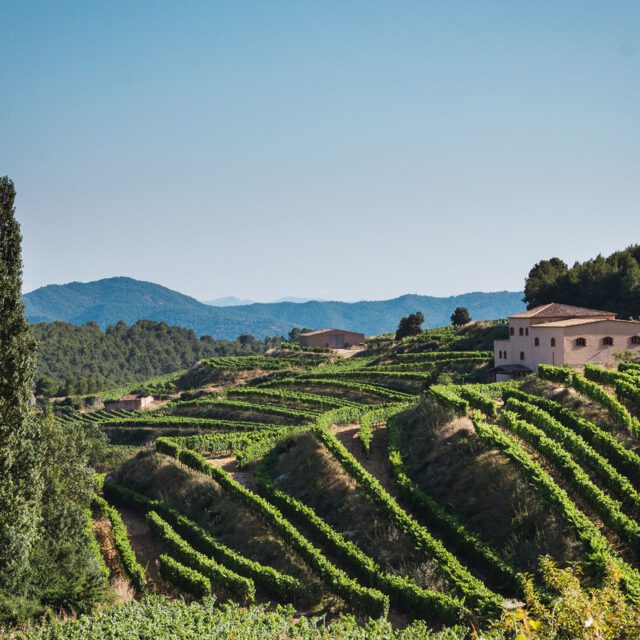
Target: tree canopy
[[610, 283], [460, 317], [410, 325]]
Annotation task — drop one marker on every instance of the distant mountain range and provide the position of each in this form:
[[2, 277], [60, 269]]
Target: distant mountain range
[[112, 299], [232, 301]]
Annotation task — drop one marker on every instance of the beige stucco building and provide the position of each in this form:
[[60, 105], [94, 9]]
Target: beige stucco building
[[129, 403], [331, 338], [562, 335]]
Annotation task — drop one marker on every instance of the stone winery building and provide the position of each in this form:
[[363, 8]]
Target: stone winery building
[[129, 403], [331, 338], [561, 334]]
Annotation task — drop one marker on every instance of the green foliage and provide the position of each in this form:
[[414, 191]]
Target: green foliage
[[447, 395], [186, 578], [239, 586], [460, 317], [20, 459], [608, 509], [132, 567], [478, 400], [607, 444], [376, 416], [611, 283], [445, 355], [552, 373], [410, 325], [161, 619], [576, 611], [84, 359], [291, 398], [406, 594], [278, 585], [214, 402], [472, 589], [600, 468], [367, 601], [599, 553], [445, 525]]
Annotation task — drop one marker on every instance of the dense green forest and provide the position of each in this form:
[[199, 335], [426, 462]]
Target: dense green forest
[[84, 359], [611, 283]]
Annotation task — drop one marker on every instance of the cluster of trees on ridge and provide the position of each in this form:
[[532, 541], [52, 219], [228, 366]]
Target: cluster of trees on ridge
[[84, 359], [611, 283]]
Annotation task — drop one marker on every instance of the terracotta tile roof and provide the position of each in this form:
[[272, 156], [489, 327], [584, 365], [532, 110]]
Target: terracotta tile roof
[[557, 310], [318, 331], [572, 322]]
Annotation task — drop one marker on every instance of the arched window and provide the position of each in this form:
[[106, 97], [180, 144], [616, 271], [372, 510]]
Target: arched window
[[553, 342], [607, 341], [499, 355], [635, 339], [522, 355], [581, 342], [512, 331], [536, 342], [526, 331], [521, 331]]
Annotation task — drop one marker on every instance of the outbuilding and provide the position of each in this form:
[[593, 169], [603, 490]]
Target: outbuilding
[[331, 338], [129, 403]]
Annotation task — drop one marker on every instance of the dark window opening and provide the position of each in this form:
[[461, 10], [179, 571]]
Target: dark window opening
[[581, 342], [608, 341], [521, 331], [512, 331], [536, 342], [553, 342], [522, 355], [635, 339]]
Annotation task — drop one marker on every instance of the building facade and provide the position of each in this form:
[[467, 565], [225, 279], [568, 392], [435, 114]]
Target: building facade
[[560, 334], [129, 403], [331, 338]]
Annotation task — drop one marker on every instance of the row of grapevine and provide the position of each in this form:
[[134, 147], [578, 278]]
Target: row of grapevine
[[280, 586], [287, 397], [599, 552], [592, 390], [600, 467], [160, 421], [472, 589], [447, 526], [478, 400], [348, 385], [404, 592], [374, 417], [446, 355], [208, 402], [608, 509], [366, 600], [130, 564], [186, 578], [243, 588], [607, 444], [447, 396]]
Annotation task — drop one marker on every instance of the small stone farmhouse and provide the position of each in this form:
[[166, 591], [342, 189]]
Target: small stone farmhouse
[[561, 334], [129, 403], [331, 338]]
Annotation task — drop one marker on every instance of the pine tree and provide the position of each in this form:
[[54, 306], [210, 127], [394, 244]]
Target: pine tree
[[20, 463]]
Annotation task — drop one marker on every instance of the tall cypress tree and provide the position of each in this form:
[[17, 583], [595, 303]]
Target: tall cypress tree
[[20, 463]]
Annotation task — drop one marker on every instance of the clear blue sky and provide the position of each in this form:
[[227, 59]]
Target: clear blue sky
[[344, 150]]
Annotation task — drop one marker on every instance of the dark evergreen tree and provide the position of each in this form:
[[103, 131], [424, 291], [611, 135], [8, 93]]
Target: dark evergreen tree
[[410, 325], [460, 317], [20, 458]]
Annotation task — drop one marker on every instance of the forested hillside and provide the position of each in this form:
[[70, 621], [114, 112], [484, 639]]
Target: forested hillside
[[84, 359], [611, 283], [113, 299]]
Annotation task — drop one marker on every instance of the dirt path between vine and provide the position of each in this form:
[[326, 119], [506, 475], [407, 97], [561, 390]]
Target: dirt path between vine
[[377, 462]]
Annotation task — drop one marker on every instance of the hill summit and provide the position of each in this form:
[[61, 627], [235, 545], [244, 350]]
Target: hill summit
[[120, 298]]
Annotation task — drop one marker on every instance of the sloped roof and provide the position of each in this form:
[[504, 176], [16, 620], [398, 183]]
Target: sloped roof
[[318, 331], [572, 322], [557, 310]]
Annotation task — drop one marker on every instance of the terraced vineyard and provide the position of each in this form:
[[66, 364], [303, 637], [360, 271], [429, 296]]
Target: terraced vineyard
[[288, 485]]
